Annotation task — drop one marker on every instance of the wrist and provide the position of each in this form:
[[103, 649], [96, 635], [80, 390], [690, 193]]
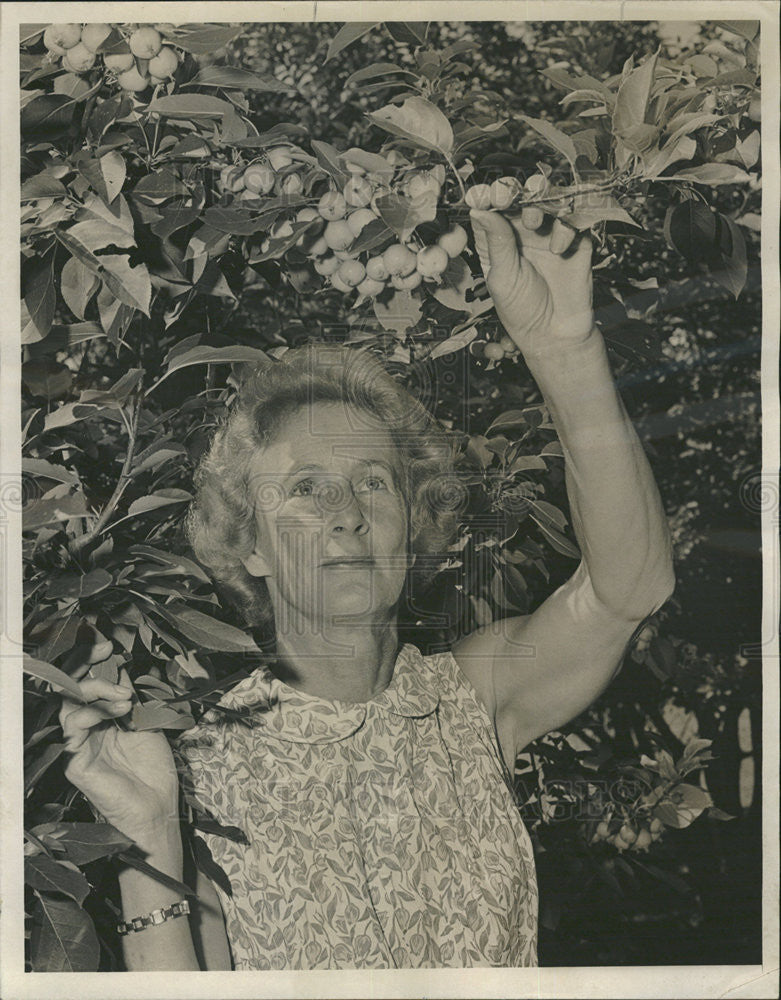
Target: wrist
[[563, 347]]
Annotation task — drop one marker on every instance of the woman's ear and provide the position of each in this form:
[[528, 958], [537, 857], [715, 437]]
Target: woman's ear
[[256, 565]]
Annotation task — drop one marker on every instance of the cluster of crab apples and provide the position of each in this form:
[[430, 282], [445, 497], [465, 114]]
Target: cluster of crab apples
[[137, 59], [629, 835], [335, 221]]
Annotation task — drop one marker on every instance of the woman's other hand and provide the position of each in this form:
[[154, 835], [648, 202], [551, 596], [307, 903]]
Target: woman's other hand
[[538, 272], [129, 777]]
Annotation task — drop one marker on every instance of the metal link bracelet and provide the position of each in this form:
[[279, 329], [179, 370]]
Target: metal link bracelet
[[154, 918]]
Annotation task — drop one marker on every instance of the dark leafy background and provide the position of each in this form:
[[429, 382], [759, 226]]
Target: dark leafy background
[[145, 282]]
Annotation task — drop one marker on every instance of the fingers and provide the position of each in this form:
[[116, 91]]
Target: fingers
[[561, 237], [532, 217], [496, 245], [106, 701]]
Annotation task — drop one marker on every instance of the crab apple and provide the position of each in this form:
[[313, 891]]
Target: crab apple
[[603, 831], [399, 260], [493, 352], [59, 37], [644, 840], [619, 842], [352, 272], [376, 269], [157, 80], [94, 35], [508, 345], [359, 219], [504, 192], [327, 266], [421, 184], [346, 254], [332, 206], [358, 192], [246, 195], [165, 63], [319, 248], [536, 184], [259, 177], [432, 261], [232, 178], [406, 282], [308, 214], [337, 234], [292, 184], [279, 158], [131, 79], [79, 59], [118, 62], [370, 287], [340, 283], [627, 833], [145, 43], [282, 229], [454, 241], [479, 196]]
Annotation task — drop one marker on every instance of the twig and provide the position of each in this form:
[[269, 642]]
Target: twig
[[124, 478]]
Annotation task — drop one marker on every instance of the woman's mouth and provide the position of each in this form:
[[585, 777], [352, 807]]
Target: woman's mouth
[[348, 562]]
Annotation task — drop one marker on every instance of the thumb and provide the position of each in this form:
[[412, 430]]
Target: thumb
[[496, 245]]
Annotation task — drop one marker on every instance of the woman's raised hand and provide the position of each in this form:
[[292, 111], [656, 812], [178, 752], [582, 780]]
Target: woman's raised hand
[[538, 272], [129, 777]]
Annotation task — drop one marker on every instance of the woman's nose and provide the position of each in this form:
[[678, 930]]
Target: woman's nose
[[350, 518]]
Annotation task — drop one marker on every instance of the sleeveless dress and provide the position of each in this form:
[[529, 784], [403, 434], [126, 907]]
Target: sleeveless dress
[[381, 835]]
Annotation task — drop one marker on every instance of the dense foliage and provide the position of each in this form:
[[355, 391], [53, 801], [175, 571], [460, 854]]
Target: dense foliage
[[191, 201]]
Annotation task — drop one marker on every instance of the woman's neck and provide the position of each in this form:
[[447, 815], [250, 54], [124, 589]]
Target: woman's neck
[[352, 664]]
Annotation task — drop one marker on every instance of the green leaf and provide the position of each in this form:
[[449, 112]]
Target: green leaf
[[417, 120], [690, 228], [82, 843], [130, 285], [374, 235], [59, 681], [133, 859], [163, 498], [554, 137], [96, 234], [73, 585], [205, 631], [454, 343], [204, 862], [589, 209], [205, 39], [160, 184], [47, 378], [733, 271], [633, 95], [114, 171], [154, 715], [409, 32], [63, 938], [712, 174], [346, 35], [235, 77], [330, 159], [47, 115], [213, 355], [401, 311], [115, 316], [77, 284], [190, 106], [34, 770], [374, 70], [40, 296], [44, 873], [169, 564], [173, 217], [40, 467], [42, 185]]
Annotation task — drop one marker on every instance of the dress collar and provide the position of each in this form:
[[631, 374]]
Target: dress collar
[[288, 714]]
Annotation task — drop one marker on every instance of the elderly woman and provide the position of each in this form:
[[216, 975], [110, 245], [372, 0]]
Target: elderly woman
[[374, 784]]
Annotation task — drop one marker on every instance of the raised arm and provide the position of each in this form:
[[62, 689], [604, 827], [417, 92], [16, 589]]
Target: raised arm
[[536, 673]]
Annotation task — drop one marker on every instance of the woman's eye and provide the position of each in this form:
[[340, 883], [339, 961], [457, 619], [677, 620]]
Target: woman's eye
[[373, 483], [305, 488]]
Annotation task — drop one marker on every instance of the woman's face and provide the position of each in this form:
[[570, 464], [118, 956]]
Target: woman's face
[[331, 519]]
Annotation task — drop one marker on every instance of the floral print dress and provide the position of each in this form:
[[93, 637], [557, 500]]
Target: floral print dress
[[381, 835]]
